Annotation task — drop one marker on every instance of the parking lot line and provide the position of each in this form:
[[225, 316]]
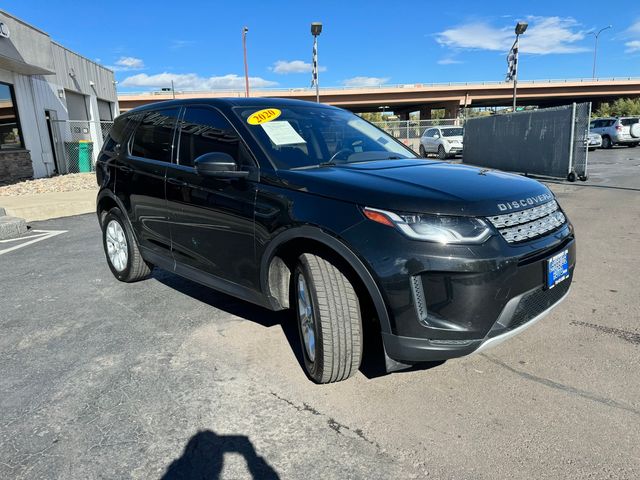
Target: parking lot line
[[41, 235]]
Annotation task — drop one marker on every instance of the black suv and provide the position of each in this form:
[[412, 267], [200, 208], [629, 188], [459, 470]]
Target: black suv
[[289, 204]]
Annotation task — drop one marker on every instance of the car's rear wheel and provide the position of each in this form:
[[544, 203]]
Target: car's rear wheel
[[423, 152], [606, 142], [442, 154], [121, 248], [329, 319]]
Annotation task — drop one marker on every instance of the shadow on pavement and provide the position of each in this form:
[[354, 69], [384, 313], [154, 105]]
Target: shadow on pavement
[[203, 458], [373, 363]]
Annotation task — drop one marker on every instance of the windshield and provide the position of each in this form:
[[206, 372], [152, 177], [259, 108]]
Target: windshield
[[452, 132], [303, 137]]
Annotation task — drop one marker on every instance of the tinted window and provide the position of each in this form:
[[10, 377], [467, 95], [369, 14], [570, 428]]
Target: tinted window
[[628, 121], [153, 138], [429, 133], [204, 130], [452, 132], [10, 132], [116, 135]]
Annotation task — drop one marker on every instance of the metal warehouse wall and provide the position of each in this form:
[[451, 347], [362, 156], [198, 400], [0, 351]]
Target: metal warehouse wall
[[539, 142]]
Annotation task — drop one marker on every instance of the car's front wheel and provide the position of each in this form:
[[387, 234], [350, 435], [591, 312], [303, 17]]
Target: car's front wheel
[[606, 142], [121, 248], [442, 153], [329, 319], [423, 152]]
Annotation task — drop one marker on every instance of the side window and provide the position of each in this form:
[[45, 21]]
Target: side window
[[593, 124], [429, 133], [153, 139], [204, 130], [116, 135]]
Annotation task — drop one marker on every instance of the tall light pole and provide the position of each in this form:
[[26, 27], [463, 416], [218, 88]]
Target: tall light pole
[[595, 47], [316, 29], [245, 30], [521, 27]]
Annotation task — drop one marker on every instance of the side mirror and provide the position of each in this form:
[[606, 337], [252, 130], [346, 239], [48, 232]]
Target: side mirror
[[218, 164]]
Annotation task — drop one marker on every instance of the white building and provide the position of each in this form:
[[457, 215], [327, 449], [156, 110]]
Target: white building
[[42, 85]]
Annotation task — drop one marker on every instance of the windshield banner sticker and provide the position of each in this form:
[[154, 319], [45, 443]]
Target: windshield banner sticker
[[263, 116], [282, 133]]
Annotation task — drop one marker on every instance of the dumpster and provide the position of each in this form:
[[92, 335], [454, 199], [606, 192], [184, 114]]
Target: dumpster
[[79, 155]]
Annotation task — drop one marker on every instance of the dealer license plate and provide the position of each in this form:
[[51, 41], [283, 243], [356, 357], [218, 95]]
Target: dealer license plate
[[557, 268]]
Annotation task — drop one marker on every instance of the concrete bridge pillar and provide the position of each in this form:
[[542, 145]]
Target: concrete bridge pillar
[[425, 113]]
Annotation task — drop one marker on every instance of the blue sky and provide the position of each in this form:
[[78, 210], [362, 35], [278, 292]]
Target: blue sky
[[198, 44]]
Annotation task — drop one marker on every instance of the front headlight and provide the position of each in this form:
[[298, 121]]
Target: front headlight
[[434, 228]]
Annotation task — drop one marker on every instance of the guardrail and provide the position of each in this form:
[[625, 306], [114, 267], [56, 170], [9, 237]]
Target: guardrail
[[390, 86]]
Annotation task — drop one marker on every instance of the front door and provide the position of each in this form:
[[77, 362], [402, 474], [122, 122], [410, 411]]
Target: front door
[[140, 177], [211, 218]]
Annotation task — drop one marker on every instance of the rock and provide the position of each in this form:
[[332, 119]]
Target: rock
[[12, 227]]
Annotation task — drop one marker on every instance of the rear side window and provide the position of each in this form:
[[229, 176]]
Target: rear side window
[[117, 135], [153, 138], [629, 121], [204, 130]]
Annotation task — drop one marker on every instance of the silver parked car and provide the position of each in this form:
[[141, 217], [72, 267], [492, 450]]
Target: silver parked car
[[594, 140], [444, 141], [617, 131]]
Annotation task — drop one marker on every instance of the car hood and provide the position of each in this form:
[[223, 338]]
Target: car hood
[[420, 186]]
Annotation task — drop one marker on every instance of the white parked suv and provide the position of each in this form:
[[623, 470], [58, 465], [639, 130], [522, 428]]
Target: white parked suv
[[617, 131], [445, 141]]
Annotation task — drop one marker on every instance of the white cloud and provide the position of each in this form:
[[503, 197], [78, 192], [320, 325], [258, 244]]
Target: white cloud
[[448, 61], [178, 44], [632, 34], [127, 63], [193, 81], [284, 67], [545, 35], [632, 46], [365, 81]]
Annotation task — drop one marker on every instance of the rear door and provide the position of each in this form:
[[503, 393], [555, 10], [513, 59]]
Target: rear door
[[212, 219], [141, 171]]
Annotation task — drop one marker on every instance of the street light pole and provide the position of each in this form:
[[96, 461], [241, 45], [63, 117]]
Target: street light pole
[[316, 29], [245, 30], [595, 48], [521, 27]]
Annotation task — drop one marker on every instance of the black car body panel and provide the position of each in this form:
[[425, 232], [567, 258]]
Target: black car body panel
[[433, 301]]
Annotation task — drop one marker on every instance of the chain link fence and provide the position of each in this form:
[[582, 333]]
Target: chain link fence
[[410, 131], [549, 142], [77, 143], [580, 138]]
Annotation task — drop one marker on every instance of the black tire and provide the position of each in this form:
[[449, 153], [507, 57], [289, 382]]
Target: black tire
[[592, 149], [571, 177], [136, 268], [337, 323], [422, 151], [632, 145], [442, 154], [606, 142], [583, 178]]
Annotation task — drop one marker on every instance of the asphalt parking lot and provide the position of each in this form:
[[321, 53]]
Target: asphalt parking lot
[[165, 378]]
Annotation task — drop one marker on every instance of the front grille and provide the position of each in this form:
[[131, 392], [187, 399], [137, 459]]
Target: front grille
[[533, 304], [529, 223]]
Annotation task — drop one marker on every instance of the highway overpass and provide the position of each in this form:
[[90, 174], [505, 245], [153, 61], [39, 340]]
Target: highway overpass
[[424, 97]]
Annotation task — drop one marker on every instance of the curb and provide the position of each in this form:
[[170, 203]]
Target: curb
[[45, 206]]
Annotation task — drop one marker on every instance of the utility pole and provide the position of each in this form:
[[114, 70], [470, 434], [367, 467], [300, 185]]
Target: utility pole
[[316, 29], [245, 30], [521, 27]]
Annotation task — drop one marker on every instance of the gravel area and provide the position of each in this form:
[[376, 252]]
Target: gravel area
[[61, 183]]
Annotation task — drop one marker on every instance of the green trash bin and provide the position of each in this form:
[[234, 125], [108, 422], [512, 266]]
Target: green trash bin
[[79, 155], [85, 152]]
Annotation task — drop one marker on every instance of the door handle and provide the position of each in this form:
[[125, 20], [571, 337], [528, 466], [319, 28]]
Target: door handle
[[175, 181], [125, 169]]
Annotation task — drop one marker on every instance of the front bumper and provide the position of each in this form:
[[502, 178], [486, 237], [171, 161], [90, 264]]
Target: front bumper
[[447, 301]]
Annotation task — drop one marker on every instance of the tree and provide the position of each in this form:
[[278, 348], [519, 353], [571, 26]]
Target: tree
[[621, 107]]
